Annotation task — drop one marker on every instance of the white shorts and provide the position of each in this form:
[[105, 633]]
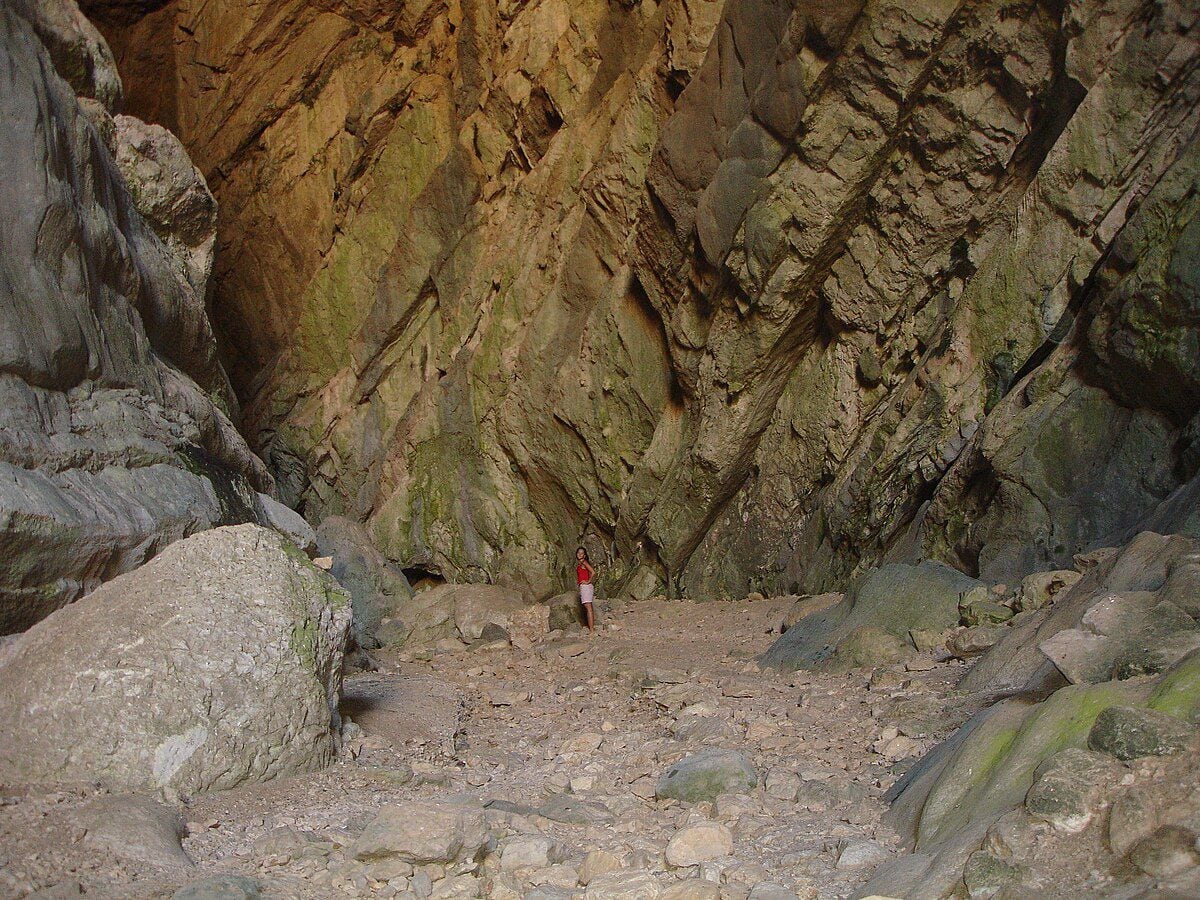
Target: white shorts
[[587, 593]]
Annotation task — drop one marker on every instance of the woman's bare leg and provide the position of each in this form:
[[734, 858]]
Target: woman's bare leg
[[587, 609]]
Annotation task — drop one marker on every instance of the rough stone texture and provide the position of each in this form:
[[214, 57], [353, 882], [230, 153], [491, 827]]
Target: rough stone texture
[[221, 887], [423, 832], [215, 664], [289, 523], [114, 438], [463, 612], [894, 600], [1128, 733], [133, 828], [377, 588], [1119, 606], [1069, 788], [752, 294], [699, 843], [704, 775]]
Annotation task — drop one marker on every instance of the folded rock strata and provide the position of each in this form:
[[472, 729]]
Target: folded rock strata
[[750, 295]]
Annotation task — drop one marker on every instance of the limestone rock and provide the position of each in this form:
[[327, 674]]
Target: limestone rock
[[624, 885], [221, 887], [1069, 788], [699, 843], [377, 588], [1127, 732], [423, 832], [136, 706], [691, 889], [705, 775], [1132, 818], [596, 863], [530, 852], [1169, 851], [1041, 588], [116, 435], [134, 828], [894, 600], [860, 854], [566, 612], [289, 523]]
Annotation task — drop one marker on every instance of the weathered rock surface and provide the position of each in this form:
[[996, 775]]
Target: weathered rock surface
[[215, 664], [750, 294], [114, 435], [133, 828], [707, 774], [891, 601], [423, 833]]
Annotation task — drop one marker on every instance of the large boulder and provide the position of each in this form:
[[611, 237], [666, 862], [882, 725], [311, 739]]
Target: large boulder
[[377, 588], [894, 599], [215, 664]]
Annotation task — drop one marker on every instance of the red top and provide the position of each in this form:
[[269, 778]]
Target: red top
[[581, 574]]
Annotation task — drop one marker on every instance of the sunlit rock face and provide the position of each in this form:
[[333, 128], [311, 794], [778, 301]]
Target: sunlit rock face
[[741, 295], [115, 438]]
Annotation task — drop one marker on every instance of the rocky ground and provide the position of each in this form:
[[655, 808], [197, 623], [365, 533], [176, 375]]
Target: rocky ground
[[566, 739]]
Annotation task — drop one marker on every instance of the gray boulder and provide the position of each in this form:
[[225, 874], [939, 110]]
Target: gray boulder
[[288, 522], [215, 664], [138, 829], [221, 887], [377, 588], [1128, 732], [895, 599], [703, 776]]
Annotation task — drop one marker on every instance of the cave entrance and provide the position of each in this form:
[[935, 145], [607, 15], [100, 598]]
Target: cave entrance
[[422, 579]]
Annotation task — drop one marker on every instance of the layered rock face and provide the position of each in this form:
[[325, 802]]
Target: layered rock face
[[751, 294], [114, 435]]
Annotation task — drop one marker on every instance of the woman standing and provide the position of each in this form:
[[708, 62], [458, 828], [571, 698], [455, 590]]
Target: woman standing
[[587, 591]]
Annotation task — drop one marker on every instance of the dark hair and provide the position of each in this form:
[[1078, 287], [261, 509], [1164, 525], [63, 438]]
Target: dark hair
[[585, 556]]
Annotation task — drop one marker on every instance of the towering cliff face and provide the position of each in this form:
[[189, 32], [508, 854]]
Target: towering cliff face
[[750, 294], [113, 438]]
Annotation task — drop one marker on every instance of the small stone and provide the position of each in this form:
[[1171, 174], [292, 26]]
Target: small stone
[[692, 889], [1167, 852], [596, 863], [858, 854], [1128, 732], [1041, 588], [530, 852], [1132, 818], [782, 784], [985, 875], [222, 887], [576, 648], [699, 843], [769, 890], [587, 742], [624, 885], [423, 832], [976, 641]]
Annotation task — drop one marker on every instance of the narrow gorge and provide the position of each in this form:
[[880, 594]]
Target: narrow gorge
[[857, 343]]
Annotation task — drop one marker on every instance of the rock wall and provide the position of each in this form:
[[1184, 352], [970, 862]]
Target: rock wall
[[114, 435], [742, 294]]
